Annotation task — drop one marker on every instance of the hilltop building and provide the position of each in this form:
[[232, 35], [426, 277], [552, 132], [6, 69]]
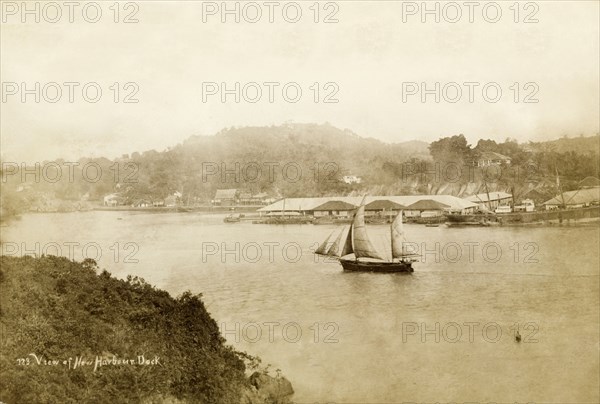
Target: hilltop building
[[489, 158], [351, 179], [113, 200]]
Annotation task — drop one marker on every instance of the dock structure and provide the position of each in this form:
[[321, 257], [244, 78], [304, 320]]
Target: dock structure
[[342, 204]]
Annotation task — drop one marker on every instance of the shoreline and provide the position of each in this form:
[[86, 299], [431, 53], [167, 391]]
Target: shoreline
[[572, 218]]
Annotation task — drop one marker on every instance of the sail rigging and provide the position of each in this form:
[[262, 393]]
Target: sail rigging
[[361, 245], [322, 250], [357, 241], [398, 239], [347, 249], [333, 250]]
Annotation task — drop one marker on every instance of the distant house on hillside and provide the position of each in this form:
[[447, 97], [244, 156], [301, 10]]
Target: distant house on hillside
[[170, 201], [142, 203], [489, 158], [113, 200], [351, 179], [26, 186], [225, 197]]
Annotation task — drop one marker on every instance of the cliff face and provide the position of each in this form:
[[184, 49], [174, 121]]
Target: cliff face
[[72, 335]]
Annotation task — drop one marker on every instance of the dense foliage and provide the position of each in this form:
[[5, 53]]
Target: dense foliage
[[59, 309], [290, 160], [296, 160], [453, 167]]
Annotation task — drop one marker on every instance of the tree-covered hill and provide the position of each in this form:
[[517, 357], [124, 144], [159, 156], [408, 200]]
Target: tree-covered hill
[[295, 160], [579, 145], [57, 310]]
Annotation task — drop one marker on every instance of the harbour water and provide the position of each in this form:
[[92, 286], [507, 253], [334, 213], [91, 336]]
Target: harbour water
[[444, 333]]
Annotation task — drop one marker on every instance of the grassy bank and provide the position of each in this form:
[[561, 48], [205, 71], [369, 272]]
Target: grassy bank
[[93, 329]]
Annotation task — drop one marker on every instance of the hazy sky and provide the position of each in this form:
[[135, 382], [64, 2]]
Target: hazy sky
[[369, 53]]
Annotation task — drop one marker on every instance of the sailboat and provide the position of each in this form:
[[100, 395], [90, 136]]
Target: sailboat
[[366, 257]]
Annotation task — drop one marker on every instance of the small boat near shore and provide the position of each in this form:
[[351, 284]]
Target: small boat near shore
[[233, 218], [332, 220], [285, 220], [357, 253]]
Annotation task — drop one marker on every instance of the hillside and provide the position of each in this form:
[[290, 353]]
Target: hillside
[[57, 310], [296, 160], [580, 145]]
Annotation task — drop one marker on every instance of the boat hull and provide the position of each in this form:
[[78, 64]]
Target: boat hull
[[362, 266], [542, 216]]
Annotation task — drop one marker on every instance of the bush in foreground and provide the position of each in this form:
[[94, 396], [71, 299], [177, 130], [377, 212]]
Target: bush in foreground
[[53, 309]]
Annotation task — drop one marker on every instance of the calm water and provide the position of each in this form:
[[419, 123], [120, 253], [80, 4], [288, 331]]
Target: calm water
[[364, 336]]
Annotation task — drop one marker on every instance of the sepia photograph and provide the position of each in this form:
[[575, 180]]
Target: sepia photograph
[[300, 202]]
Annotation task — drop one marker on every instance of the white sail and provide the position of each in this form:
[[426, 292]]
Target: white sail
[[333, 250], [322, 250], [361, 245], [347, 248], [398, 239]]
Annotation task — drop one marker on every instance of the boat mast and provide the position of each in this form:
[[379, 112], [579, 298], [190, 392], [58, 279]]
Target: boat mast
[[392, 235], [558, 188], [362, 246], [487, 191], [397, 237]]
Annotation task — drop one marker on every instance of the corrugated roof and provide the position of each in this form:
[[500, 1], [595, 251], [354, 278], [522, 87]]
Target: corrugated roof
[[427, 204], [307, 204], [335, 205], [579, 197], [382, 204], [490, 155], [225, 193]]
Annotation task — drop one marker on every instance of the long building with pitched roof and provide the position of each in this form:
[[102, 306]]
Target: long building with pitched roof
[[343, 203]]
